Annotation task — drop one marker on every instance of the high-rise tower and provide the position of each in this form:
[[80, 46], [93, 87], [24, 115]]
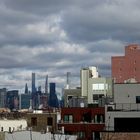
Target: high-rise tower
[[26, 88], [33, 83], [53, 100], [46, 85]]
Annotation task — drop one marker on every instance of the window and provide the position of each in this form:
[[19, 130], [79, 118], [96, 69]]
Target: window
[[87, 117], [96, 136], [97, 96], [33, 121], [81, 135], [69, 97], [68, 118], [100, 86], [99, 118], [137, 99], [50, 121]]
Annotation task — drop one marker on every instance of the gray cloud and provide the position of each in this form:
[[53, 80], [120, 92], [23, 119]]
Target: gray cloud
[[117, 20], [55, 37]]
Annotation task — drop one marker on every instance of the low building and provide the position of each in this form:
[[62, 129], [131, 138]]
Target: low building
[[86, 123], [124, 114], [43, 121], [73, 98]]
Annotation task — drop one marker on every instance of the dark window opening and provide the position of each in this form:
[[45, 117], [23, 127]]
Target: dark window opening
[[81, 135], [97, 96], [127, 124], [99, 118], [68, 118], [87, 117], [34, 121], [137, 99], [96, 135], [69, 97], [50, 121]]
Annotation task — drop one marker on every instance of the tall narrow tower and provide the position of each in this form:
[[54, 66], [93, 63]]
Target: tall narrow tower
[[33, 83], [68, 80], [26, 88], [46, 85]]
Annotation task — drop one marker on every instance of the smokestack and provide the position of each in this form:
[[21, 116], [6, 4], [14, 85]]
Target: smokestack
[[68, 80]]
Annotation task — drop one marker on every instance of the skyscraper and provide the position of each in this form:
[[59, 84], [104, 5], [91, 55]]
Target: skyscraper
[[46, 85], [26, 88], [53, 100], [12, 99], [33, 84], [2, 97]]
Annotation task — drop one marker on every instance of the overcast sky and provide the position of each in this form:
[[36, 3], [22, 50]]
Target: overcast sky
[[58, 36]]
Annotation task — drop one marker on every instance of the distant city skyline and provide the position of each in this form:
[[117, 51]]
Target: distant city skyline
[[55, 37]]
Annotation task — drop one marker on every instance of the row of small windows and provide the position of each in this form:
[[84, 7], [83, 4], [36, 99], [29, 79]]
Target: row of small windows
[[82, 135], [99, 118], [100, 86]]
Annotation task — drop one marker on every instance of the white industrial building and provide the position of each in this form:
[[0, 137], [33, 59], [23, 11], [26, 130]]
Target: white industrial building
[[124, 114], [94, 87]]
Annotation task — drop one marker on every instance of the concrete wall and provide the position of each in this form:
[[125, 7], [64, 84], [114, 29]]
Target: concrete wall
[[110, 115], [126, 93], [119, 136], [30, 135], [106, 92]]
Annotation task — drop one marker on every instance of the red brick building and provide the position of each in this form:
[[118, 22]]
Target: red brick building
[[127, 67], [86, 123]]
